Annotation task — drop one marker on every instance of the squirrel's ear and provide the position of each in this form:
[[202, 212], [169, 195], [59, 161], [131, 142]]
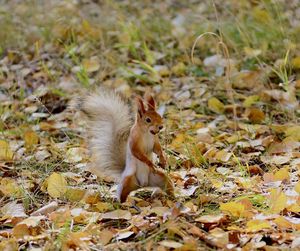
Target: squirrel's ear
[[150, 101], [140, 105]]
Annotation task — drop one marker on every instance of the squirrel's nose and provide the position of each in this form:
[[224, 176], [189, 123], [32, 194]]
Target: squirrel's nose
[[153, 132]]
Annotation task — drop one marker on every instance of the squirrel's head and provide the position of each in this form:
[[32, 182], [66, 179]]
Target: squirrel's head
[[147, 117]]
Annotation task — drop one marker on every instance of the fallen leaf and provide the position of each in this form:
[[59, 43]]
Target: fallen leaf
[[257, 225], [124, 235], [282, 175], [10, 187], [104, 206], [117, 215], [297, 187], [255, 115], [219, 237], [234, 208], [13, 209], [91, 65], [57, 185], [277, 201], [5, 152], [223, 155], [296, 62], [105, 236], [42, 155], [74, 155], [31, 140], [46, 209], [170, 244], [275, 159], [216, 105], [211, 218]]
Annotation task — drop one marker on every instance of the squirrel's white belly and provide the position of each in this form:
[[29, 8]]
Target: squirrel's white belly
[[143, 170], [134, 165], [142, 173]]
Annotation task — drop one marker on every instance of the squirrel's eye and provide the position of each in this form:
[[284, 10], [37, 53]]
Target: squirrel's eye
[[160, 127], [148, 120]]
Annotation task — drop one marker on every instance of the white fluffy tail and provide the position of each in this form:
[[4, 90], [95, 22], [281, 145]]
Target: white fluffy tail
[[109, 123]]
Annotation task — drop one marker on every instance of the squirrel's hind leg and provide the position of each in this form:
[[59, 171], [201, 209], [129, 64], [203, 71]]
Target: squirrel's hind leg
[[161, 180], [128, 184]]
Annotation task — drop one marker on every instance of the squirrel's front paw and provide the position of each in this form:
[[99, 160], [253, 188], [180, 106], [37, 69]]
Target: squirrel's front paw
[[162, 162]]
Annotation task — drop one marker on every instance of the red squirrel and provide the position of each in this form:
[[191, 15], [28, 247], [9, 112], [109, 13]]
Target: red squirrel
[[121, 149]]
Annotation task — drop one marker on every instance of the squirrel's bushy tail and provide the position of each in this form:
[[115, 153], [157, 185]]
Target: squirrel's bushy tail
[[109, 123]]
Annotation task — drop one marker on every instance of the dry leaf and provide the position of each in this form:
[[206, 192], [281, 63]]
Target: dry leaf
[[257, 225], [57, 185], [255, 115], [216, 105], [170, 244], [31, 140], [10, 187], [105, 236], [13, 209], [124, 235], [282, 175], [277, 201], [5, 152], [117, 215], [211, 218], [91, 65], [234, 208]]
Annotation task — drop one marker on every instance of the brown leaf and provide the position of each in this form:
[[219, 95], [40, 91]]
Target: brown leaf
[[255, 115], [31, 140]]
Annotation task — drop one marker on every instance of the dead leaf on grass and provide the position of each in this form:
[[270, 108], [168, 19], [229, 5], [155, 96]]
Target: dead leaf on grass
[[56, 185]]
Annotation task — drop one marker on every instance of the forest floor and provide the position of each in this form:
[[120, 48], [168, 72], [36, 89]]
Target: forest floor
[[228, 77]]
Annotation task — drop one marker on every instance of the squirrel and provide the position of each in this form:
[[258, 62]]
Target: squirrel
[[122, 149]]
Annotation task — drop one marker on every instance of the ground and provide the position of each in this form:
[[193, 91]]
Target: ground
[[225, 73]]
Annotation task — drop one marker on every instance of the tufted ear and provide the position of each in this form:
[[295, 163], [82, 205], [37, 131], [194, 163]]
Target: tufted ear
[[150, 101], [140, 106]]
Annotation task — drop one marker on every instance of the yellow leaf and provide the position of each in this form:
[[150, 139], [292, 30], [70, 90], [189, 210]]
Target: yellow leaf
[[287, 222], [31, 139], [295, 208], [282, 222], [5, 153], [179, 69], [296, 63], [234, 208], [91, 65], [104, 206], [251, 53], [216, 105], [223, 155], [249, 101], [278, 201], [10, 244], [257, 225], [261, 15], [75, 194], [178, 141], [57, 185], [293, 132], [282, 174], [9, 187], [297, 187], [216, 183]]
